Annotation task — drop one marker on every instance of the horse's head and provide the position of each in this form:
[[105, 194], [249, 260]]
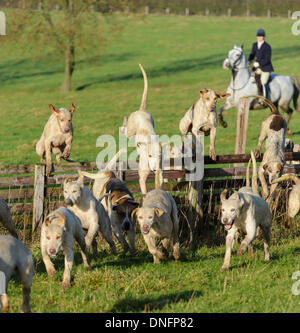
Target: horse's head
[[236, 57]]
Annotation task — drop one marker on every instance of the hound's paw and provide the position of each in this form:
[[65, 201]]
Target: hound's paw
[[156, 260], [176, 255], [51, 272], [224, 268], [241, 251], [87, 267], [257, 153], [66, 284], [222, 122], [66, 154], [133, 252], [212, 155]]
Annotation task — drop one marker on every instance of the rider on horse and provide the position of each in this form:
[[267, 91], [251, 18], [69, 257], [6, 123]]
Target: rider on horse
[[261, 51]]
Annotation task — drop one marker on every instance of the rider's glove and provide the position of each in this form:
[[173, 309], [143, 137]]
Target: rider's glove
[[256, 64]]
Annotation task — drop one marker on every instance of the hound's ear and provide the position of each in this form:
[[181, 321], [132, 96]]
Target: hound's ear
[[235, 196], [223, 195], [222, 95], [242, 201], [242, 46], [73, 107], [47, 222], [158, 212], [62, 219], [265, 166], [203, 92], [53, 110], [279, 166], [133, 213]]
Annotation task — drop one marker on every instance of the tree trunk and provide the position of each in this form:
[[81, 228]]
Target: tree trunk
[[69, 67]]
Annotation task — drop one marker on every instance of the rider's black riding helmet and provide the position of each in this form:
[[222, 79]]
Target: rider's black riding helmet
[[260, 32]]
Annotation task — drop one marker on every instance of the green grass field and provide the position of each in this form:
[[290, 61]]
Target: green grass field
[[181, 56], [124, 283]]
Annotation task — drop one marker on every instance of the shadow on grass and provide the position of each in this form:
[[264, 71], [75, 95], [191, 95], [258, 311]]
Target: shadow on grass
[[122, 260], [59, 263], [169, 69], [25, 68], [196, 64], [152, 303]]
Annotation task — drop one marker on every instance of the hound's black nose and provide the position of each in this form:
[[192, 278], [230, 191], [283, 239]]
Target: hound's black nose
[[69, 202]]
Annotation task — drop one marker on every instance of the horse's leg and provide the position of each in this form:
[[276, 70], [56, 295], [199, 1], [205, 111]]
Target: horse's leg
[[226, 106], [295, 98]]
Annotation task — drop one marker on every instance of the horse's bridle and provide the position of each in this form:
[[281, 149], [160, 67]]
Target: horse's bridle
[[233, 69]]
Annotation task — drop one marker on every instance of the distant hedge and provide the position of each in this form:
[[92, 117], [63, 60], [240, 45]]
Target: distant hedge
[[196, 7], [218, 7]]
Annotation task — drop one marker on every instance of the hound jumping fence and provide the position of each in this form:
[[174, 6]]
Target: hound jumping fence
[[31, 195]]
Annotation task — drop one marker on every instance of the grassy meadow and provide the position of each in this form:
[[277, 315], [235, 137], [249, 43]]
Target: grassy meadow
[[181, 56]]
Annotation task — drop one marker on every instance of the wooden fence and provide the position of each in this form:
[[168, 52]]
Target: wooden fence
[[31, 195]]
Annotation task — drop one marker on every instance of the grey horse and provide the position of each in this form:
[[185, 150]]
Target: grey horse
[[282, 89]]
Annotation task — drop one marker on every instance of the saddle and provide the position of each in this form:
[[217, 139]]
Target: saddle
[[259, 85]]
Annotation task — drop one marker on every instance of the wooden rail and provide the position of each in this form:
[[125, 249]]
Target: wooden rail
[[27, 190]]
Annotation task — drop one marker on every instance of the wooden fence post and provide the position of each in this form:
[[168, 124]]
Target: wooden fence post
[[167, 11], [38, 197], [229, 12], [248, 13], [187, 12], [269, 13], [206, 12], [120, 167], [241, 127], [146, 10], [195, 212]]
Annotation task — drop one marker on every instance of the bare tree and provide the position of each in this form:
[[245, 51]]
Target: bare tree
[[63, 28]]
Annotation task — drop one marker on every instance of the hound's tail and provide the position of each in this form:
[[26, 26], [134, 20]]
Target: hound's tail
[[114, 160], [268, 102], [296, 92], [143, 106], [288, 176], [254, 175], [248, 174], [109, 166]]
